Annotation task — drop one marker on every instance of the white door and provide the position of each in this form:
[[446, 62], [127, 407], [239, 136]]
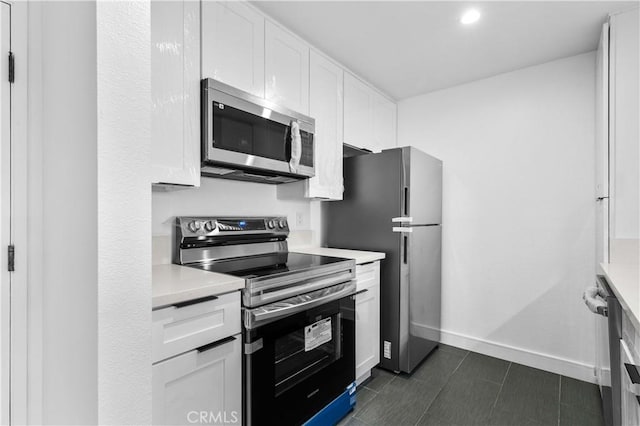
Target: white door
[[358, 113], [5, 207], [602, 147], [175, 92], [286, 69], [233, 45], [367, 319], [203, 386], [384, 123], [325, 100]]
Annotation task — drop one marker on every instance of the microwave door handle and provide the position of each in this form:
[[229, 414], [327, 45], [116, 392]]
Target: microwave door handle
[[296, 147]]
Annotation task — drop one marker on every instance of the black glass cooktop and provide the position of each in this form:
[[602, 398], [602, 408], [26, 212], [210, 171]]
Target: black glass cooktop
[[267, 265]]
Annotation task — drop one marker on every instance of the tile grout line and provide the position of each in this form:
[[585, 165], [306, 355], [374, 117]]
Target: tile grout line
[[559, 396], [377, 394], [440, 391], [504, 379]]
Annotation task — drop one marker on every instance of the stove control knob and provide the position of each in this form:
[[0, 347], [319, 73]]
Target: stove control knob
[[271, 224], [194, 226], [282, 223], [210, 225]]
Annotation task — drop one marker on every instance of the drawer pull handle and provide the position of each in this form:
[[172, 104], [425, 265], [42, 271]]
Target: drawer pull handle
[[632, 371], [360, 291], [194, 301], [215, 344]]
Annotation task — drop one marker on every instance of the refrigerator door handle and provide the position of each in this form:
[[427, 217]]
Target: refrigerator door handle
[[406, 249], [401, 229], [406, 200], [402, 219]]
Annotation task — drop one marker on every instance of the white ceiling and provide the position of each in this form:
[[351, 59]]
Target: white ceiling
[[408, 48]]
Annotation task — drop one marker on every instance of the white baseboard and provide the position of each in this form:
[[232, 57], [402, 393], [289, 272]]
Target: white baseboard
[[554, 364]]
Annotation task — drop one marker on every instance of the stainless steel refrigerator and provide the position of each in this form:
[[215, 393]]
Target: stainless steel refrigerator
[[393, 204]]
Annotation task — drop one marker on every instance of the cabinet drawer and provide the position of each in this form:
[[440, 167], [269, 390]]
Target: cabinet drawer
[[630, 335], [630, 383], [367, 275], [183, 327], [200, 382]]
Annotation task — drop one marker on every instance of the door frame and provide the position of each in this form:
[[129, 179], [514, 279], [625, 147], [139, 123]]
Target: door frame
[[18, 328]]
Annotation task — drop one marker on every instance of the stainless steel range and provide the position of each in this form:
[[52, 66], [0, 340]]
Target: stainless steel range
[[298, 313]]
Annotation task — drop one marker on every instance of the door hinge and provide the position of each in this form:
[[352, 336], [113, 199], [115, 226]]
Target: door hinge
[[11, 258], [12, 67]]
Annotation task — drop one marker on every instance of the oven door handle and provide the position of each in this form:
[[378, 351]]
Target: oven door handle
[[269, 313]]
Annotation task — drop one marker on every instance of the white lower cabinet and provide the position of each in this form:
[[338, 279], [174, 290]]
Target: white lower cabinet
[[630, 382], [629, 372], [367, 319], [203, 386], [197, 362]]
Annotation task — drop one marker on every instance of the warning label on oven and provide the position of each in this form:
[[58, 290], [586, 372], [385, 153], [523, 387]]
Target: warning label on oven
[[316, 334]]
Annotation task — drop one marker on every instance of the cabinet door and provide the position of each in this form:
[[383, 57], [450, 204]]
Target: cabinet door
[[181, 328], [205, 382], [358, 112], [175, 92], [233, 45], [624, 133], [367, 319], [325, 105], [384, 123], [286, 69], [602, 146], [630, 403]]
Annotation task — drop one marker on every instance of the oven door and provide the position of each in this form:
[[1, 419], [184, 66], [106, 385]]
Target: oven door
[[296, 365], [248, 132]]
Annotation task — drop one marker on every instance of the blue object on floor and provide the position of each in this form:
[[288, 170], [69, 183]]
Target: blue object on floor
[[335, 410]]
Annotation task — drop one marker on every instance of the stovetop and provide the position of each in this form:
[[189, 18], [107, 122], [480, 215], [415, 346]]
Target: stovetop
[[255, 248], [271, 265]]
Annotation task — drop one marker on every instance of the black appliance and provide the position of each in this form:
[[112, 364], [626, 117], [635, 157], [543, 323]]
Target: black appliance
[[298, 314], [245, 137]]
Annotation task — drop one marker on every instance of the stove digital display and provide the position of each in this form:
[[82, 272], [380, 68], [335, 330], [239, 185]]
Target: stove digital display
[[242, 225]]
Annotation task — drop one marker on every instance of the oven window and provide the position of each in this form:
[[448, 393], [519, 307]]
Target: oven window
[[306, 351], [239, 131]]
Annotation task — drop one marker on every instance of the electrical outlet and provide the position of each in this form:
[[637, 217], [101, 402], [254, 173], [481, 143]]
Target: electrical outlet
[[299, 218]]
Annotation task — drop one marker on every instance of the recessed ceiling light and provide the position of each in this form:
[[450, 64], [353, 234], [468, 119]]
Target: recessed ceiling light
[[470, 16]]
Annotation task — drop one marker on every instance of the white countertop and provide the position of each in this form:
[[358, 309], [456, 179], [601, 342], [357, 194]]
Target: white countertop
[[624, 279], [175, 283], [358, 255]]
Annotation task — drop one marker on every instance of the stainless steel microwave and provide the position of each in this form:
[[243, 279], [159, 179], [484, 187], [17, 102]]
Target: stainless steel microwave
[[245, 137]]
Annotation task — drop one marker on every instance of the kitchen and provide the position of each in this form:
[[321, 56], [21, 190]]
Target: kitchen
[[519, 231]]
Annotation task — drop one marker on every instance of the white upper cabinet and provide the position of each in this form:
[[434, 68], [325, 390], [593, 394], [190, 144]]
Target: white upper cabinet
[[286, 69], [326, 101], [233, 45], [624, 132], [358, 120], [175, 92], [369, 118], [384, 123]]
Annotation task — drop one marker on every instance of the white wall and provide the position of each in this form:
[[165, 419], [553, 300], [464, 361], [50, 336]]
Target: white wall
[[518, 210], [124, 212], [69, 205], [217, 197]]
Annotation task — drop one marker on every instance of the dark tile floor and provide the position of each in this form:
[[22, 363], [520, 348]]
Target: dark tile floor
[[457, 387]]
